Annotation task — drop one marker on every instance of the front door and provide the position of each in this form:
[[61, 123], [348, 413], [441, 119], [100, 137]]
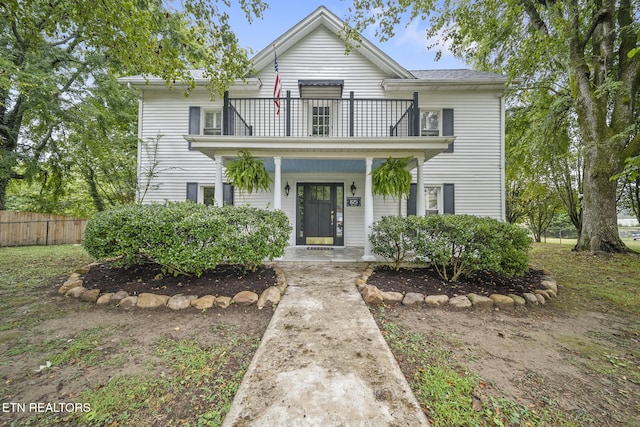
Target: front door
[[320, 214]]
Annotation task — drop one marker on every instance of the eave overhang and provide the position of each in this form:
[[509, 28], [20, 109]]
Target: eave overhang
[[404, 85]]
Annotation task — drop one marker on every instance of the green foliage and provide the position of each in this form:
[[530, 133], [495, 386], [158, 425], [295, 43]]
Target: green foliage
[[54, 52], [462, 244], [578, 59], [455, 244], [248, 174], [392, 178], [393, 237], [186, 238]]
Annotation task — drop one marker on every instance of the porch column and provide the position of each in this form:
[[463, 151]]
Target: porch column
[[420, 207], [277, 184], [218, 190], [368, 210]]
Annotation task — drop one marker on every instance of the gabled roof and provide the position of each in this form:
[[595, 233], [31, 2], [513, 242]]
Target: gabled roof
[[323, 17]]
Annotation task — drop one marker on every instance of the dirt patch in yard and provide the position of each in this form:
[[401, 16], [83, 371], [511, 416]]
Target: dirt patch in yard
[[88, 347], [584, 363]]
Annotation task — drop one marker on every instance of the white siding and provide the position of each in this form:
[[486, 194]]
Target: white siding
[[321, 56], [165, 118], [475, 166]]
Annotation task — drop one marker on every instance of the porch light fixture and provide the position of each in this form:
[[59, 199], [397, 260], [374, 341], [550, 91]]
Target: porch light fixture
[[287, 188], [353, 188]]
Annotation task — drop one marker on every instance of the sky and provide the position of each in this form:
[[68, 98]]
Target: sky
[[408, 47]]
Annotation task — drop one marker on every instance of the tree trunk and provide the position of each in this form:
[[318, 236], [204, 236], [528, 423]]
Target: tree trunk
[[4, 183], [599, 214]]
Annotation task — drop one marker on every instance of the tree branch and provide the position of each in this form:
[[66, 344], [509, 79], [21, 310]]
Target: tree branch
[[536, 20]]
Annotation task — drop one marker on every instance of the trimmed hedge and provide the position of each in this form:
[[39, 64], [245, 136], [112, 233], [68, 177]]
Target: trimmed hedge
[[187, 238], [393, 238], [454, 244]]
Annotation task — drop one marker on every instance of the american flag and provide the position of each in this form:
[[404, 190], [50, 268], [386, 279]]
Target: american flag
[[277, 86]]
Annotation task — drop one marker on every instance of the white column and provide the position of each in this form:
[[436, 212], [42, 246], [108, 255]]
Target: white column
[[420, 205], [219, 187], [368, 210], [277, 184]]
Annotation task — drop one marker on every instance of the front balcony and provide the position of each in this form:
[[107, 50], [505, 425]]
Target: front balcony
[[320, 117]]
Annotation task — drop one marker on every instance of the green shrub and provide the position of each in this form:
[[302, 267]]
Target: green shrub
[[186, 238], [393, 238], [462, 244]]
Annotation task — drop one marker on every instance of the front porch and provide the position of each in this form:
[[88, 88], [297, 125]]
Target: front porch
[[325, 254]]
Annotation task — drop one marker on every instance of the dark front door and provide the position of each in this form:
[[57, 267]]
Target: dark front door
[[320, 214]]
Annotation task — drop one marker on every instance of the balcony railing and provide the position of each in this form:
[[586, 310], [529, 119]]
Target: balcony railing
[[321, 117]]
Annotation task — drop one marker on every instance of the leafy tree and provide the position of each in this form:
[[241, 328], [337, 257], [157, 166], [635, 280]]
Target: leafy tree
[[50, 51], [541, 147], [100, 142], [584, 49]]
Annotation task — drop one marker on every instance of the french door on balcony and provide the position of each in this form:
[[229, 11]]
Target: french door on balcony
[[320, 214]]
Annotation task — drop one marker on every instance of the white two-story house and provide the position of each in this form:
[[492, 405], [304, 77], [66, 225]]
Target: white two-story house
[[338, 116]]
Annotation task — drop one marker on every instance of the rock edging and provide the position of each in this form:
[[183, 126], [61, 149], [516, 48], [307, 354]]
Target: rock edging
[[374, 296], [73, 288]]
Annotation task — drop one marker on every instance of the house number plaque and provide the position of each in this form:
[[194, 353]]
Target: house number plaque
[[353, 202]]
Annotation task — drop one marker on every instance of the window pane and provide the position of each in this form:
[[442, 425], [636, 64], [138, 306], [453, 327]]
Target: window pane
[[209, 195], [430, 123], [432, 197], [212, 123]]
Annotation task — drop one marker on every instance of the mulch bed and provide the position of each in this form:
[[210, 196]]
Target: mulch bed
[[225, 280], [427, 281]]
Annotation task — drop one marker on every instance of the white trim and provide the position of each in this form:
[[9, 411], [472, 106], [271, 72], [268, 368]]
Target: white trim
[[368, 210], [219, 186], [277, 184]]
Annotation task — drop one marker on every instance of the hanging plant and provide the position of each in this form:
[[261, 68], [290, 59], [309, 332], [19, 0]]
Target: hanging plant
[[392, 178], [248, 174]]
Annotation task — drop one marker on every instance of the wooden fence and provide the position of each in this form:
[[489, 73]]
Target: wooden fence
[[28, 228]]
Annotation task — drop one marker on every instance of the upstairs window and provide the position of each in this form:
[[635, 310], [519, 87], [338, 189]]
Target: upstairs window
[[430, 123], [320, 120], [212, 122]]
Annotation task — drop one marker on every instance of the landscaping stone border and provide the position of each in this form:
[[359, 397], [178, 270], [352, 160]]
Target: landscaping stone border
[[73, 288], [374, 296]]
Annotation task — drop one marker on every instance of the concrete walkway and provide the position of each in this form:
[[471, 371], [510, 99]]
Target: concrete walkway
[[323, 361]]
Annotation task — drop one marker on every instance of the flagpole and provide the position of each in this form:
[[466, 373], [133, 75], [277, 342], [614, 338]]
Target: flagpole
[[277, 85]]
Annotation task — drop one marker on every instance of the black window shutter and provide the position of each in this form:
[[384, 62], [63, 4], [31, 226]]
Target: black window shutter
[[448, 199], [447, 126], [412, 200], [194, 120], [227, 195], [192, 191]]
